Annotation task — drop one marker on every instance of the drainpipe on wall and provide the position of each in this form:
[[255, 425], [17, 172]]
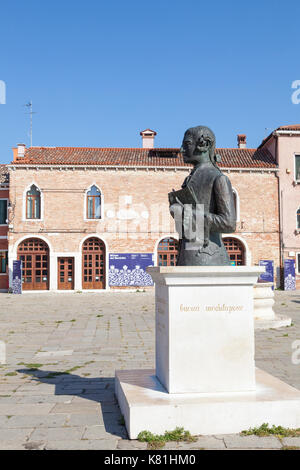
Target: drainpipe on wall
[[280, 203]]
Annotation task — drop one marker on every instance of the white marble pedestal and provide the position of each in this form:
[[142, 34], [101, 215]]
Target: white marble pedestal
[[205, 371], [205, 328], [264, 315]]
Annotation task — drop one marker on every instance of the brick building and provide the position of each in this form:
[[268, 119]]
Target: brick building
[[4, 198], [74, 210], [284, 145]]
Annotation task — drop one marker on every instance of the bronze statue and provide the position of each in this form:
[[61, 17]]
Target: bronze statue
[[204, 207]]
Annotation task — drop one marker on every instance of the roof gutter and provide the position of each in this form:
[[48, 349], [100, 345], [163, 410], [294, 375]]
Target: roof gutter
[[133, 167], [286, 132]]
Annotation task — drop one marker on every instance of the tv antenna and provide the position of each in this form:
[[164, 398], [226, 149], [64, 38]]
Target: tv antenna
[[266, 130], [30, 112]]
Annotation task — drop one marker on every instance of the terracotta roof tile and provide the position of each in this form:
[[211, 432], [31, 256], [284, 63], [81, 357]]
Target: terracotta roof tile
[[290, 127], [157, 157]]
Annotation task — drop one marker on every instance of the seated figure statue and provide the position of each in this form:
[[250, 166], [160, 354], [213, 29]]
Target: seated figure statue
[[212, 203]]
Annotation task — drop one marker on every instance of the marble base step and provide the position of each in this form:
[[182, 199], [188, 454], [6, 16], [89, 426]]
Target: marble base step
[[279, 321], [146, 405]]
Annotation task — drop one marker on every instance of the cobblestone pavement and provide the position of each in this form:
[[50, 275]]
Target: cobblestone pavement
[[57, 388]]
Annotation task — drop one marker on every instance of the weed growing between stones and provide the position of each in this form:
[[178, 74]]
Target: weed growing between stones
[[266, 430], [156, 441]]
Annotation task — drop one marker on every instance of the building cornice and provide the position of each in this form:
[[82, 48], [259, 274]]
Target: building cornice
[[134, 168], [286, 132]]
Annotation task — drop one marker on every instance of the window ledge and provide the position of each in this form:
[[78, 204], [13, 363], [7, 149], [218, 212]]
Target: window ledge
[[33, 220]]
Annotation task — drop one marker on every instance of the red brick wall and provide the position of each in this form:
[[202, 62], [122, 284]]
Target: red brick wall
[[258, 194]]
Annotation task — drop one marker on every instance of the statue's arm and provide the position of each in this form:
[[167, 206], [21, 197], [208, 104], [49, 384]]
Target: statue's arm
[[225, 218]]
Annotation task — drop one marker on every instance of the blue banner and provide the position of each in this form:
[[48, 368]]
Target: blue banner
[[129, 269], [17, 277], [289, 274], [268, 275]]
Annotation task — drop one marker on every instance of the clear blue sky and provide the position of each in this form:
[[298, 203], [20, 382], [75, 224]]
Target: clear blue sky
[[98, 72]]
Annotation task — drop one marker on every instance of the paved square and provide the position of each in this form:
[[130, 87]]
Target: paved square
[[57, 388]]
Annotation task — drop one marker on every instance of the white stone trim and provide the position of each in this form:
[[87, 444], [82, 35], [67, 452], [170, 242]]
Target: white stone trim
[[286, 132], [53, 263], [53, 285], [85, 205], [13, 254], [14, 249], [167, 235], [296, 154], [24, 219], [7, 200], [237, 208], [5, 250], [297, 228], [96, 235], [139, 167], [248, 256]]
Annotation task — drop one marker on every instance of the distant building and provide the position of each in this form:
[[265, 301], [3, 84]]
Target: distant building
[[4, 198], [75, 211], [284, 145]]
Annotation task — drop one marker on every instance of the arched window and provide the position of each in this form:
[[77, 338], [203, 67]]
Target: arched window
[[93, 203], [33, 203], [167, 252], [235, 250], [298, 219], [236, 204]]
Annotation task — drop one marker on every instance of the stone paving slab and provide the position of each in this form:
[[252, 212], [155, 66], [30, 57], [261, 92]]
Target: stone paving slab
[[104, 432], [15, 434], [291, 441], [11, 445], [58, 434], [34, 421], [25, 409], [99, 444], [251, 442], [57, 388], [82, 408], [203, 442], [131, 445]]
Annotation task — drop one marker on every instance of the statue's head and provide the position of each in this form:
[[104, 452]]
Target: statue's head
[[198, 141]]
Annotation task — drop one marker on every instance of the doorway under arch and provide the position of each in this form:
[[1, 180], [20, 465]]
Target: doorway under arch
[[34, 254], [93, 264]]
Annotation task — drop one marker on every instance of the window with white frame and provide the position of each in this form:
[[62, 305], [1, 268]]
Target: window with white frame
[[297, 167], [236, 204], [3, 211], [298, 219], [33, 203], [93, 203]]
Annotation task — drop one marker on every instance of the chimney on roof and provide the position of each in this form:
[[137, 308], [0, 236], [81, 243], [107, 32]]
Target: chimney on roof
[[21, 150], [148, 138], [242, 141]]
